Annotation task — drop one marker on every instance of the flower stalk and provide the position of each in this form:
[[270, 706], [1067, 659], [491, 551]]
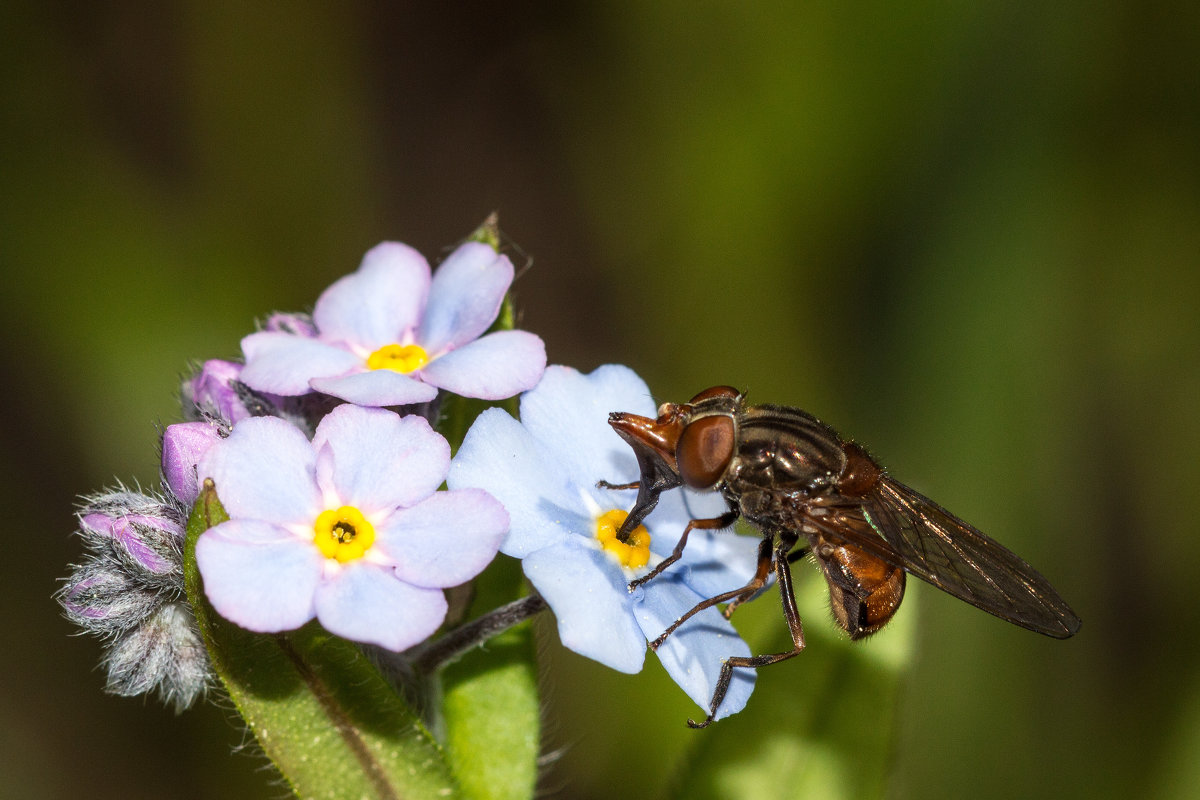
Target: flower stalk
[[435, 654]]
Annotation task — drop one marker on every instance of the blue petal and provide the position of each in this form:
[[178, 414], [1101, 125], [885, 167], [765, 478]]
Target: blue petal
[[444, 540], [381, 460], [497, 366], [378, 304], [675, 509], [280, 363], [718, 561], [714, 561], [367, 603], [499, 456], [694, 653], [568, 412], [588, 594], [677, 506], [264, 471], [465, 297], [380, 387], [259, 575]]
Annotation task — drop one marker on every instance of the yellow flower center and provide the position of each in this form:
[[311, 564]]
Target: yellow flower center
[[633, 553], [404, 358], [343, 533]]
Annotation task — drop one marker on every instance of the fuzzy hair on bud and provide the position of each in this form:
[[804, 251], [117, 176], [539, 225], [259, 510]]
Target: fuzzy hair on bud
[[129, 592]]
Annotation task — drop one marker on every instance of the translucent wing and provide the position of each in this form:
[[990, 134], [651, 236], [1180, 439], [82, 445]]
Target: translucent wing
[[913, 532]]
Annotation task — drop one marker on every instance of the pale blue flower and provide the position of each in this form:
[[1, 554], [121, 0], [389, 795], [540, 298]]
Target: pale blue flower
[[390, 334], [348, 528], [544, 469]]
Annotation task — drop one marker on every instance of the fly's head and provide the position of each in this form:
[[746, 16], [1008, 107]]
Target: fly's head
[[689, 444]]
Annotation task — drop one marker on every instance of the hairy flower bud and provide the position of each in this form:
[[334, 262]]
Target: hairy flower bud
[[164, 653], [290, 322], [215, 393], [129, 591]]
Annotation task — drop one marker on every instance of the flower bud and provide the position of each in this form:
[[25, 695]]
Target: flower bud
[[293, 323], [102, 600], [143, 533], [130, 591], [182, 446], [215, 391], [164, 653]]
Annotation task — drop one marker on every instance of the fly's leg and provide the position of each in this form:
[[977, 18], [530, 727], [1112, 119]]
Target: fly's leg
[[784, 574], [757, 582], [723, 521], [796, 555], [607, 485], [792, 558]]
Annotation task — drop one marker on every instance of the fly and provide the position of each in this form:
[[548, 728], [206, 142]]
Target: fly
[[796, 480]]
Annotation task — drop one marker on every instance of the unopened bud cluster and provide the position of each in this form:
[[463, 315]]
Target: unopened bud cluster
[[129, 591]]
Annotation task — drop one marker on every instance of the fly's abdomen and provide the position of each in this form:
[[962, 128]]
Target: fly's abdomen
[[864, 591]]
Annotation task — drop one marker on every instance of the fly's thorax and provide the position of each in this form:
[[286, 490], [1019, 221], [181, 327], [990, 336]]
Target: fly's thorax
[[787, 451]]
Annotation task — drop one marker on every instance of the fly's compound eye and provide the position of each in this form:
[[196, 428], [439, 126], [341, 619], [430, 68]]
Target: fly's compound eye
[[717, 391], [705, 449]]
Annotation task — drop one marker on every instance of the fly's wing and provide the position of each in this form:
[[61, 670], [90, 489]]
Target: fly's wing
[[938, 547]]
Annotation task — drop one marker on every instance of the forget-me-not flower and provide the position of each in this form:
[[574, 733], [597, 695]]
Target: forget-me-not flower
[[390, 334], [348, 528], [544, 469]]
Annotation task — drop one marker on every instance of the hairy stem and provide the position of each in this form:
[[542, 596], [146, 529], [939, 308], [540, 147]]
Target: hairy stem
[[428, 658]]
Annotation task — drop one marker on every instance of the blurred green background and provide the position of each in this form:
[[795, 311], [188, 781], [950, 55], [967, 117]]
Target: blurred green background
[[966, 234]]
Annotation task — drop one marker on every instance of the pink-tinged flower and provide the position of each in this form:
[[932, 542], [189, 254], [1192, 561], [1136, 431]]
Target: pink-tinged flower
[[347, 528], [390, 334], [144, 530], [182, 446], [213, 391]]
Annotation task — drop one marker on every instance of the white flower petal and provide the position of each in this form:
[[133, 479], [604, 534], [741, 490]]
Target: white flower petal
[[264, 471], [465, 297], [258, 575], [281, 363], [446, 539], [715, 562], [382, 460], [378, 304], [379, 387], [497, 366], [568, 412], [694, 653], [367, 603]]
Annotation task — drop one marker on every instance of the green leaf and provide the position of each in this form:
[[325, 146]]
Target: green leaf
[[320, 710]]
